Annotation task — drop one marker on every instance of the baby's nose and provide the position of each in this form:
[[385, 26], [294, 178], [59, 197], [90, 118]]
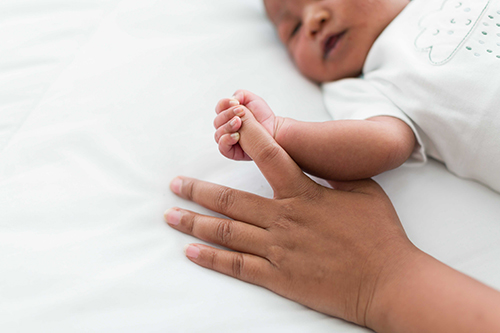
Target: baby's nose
[[316, 19]]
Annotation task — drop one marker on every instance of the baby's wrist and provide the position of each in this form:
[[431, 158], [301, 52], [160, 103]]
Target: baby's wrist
[[282, 128]]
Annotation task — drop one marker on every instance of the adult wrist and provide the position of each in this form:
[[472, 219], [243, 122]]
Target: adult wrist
[[388, 293]]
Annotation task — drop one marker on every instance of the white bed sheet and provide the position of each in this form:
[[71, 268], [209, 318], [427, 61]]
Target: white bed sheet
[[102, 103]]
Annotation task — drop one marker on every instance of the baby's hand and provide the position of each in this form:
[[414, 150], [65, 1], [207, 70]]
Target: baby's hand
[[228, 122]]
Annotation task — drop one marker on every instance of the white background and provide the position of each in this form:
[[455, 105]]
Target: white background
[[102, 103]]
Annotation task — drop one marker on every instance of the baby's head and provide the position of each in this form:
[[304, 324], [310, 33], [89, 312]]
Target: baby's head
[[330, 39]]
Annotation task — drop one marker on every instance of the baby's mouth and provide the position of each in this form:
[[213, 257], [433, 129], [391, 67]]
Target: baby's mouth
[[330, 43]]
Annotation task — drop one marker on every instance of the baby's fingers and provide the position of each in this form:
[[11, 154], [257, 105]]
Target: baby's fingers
[[230, 148], [230, 127], [226, 115], [225, 104]]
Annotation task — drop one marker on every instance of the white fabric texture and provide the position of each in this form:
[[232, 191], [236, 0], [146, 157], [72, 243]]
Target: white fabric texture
[[436, 67], [102, 104]]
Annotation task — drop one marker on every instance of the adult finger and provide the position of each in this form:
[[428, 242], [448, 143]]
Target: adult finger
[[232, 234], [238, 205], [227, 115], [225, 103], [280, 170], [242, 266]]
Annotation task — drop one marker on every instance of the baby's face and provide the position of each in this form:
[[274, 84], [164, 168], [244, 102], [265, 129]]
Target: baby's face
[[330, 39]]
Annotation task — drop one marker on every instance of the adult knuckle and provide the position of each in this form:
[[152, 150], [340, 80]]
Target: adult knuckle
[[189, 221], [212, 260], [224, 232], [189, 189], [291, 214], [268, 153], [284, 217], [238, 265], [276, 255], [224, 199]]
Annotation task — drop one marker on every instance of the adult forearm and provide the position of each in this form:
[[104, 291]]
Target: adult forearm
[[347, 149], [425, 295]]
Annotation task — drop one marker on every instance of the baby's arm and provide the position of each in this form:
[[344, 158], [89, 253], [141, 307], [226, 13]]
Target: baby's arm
[[347, 149], [335, 150]]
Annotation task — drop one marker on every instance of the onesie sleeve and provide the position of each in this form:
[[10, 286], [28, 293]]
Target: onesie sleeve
[[358, 99]]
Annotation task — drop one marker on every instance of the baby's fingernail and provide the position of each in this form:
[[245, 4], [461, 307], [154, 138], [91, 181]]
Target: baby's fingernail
[[173, 217], [176, 185], [192, 251], [232, 123], [239, 112], [236, 136], [234, 102]]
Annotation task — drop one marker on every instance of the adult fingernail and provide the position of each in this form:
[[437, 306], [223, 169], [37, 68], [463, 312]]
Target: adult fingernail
[[234, 102], [176, 185], [173, 217], [192, 251], [239, 112]]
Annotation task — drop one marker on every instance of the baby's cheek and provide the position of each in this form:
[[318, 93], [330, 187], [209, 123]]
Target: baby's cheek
[[309, 65], [314, 71]]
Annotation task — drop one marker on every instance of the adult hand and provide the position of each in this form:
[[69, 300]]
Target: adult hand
[[334, 251], [342, 252]]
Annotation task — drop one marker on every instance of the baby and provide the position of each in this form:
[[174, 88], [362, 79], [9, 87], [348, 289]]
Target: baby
[[403, 80]]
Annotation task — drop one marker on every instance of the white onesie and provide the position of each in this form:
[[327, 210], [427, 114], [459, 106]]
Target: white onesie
[[436, 67]]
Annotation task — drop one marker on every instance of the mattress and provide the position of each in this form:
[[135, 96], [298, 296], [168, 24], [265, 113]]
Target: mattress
[[102, 103]]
